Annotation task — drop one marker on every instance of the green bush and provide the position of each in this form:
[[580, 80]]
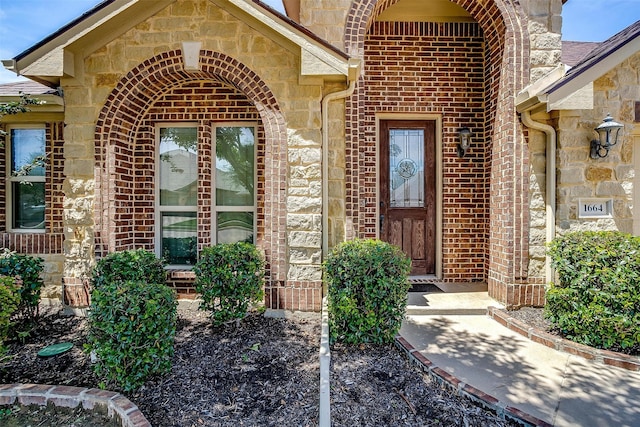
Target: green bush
[[132, 326], [9, 302], [367, 284], [137, 265], [596, 300], [229, 278], [27, 270]]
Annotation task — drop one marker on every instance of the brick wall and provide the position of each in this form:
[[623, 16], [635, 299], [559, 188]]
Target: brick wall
[[200, 102], [49, 243], [436, 68], [224, 90], [506, 71]]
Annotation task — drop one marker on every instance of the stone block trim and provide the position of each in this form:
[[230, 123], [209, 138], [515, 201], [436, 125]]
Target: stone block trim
[[70, 397], [455, 384], [612, 358]]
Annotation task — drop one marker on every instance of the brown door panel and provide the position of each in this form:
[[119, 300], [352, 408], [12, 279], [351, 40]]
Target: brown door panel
[[409, 231], [412, 174]]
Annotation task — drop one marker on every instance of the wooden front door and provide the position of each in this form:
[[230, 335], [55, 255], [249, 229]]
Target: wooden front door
[[408, 190]]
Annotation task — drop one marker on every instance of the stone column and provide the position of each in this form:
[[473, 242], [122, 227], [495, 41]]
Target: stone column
[[78, 188]]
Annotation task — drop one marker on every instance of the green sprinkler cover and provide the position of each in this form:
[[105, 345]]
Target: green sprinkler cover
[[55, 349]]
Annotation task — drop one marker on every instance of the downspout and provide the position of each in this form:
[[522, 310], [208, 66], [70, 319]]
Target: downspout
[[325, 155], [551, 137], [325, 354]]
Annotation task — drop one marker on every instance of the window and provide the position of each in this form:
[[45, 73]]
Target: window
[[26, 193], [234, 182], [233, 194], [178, 190]]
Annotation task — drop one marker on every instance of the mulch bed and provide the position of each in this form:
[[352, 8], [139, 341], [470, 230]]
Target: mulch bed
[[378, 386], [262, 372]]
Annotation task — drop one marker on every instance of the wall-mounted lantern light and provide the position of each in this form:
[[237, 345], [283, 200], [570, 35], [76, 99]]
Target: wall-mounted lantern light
[[464, 137], [608, 132]]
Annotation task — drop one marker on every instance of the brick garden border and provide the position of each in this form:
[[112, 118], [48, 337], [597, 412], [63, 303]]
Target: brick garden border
[[611, 358], [70, 397]]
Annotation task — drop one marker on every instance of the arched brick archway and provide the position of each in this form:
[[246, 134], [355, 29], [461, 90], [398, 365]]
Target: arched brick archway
[[120, 120], [504, 26]]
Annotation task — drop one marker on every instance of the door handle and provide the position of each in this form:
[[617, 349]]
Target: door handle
[[381, 221]]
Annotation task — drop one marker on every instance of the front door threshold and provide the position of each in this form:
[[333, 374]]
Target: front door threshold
[[429, 278]]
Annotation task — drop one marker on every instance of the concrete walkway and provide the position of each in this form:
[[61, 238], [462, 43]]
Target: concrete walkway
[[451, 331]]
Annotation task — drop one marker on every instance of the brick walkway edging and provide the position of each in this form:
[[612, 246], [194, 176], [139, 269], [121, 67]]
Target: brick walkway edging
[[441, 376], [612, 358], [70, 397]]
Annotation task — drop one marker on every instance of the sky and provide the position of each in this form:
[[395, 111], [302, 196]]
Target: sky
[[23, 23]]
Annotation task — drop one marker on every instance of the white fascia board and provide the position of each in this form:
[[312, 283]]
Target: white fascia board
[[533, 95], [316, 60]]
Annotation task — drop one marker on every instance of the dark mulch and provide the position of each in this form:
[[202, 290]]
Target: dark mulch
[[534, 317], [377, 386], [34, 415], [264, 372]]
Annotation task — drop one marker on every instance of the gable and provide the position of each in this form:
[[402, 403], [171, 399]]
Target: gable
[[62, 53], [572, 87]]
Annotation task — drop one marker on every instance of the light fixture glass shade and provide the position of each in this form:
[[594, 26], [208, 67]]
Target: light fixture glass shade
[[464, 138], [608, 132]]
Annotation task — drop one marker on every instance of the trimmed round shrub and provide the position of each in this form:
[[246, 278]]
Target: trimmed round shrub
[[130, 265], [229, 279], [596, 300], [368, 282], [27, 270], [9, 303], [132, 326]]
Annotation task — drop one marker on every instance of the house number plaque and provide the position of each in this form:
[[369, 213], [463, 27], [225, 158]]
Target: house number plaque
[[595, 208]]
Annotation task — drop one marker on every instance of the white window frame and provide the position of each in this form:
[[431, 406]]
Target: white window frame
[[10, 179], [214, 206], [160, 209]]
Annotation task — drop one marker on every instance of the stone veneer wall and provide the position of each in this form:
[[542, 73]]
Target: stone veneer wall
[[122, 79], [545, 25], [326, 19], [336, 173], [612, 177]]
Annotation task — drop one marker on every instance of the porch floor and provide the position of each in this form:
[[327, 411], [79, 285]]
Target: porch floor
[[449, 298]]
